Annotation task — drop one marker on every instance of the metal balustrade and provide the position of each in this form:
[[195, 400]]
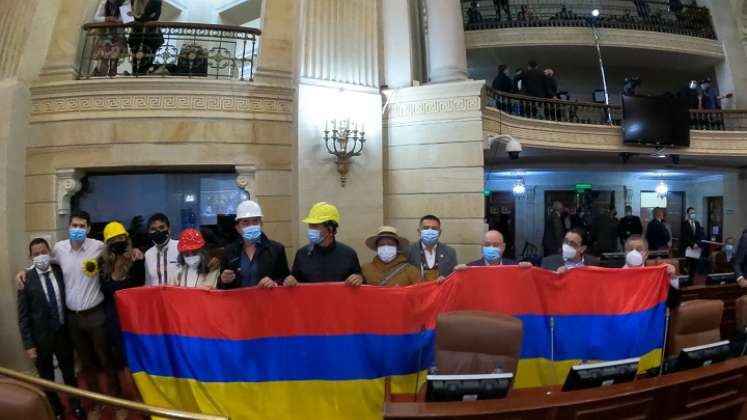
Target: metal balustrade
[[168, 49], [640, 15]]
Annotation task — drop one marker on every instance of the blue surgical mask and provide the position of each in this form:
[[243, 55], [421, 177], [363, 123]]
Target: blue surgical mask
[[491, 253], [314, 235], [77, 234], [252, 233], [429, 236], [729, 248]]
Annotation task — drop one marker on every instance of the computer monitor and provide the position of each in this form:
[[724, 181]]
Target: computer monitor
[[721, 278], [593, 375], [699, 356], [468, 387]]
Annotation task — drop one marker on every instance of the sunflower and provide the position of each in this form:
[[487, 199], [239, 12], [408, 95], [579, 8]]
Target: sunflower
[[90, 267]]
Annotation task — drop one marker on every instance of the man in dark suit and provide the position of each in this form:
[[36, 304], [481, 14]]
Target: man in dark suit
[[691, 234], [657, 234], [41, 319], [573, 254], [740, 260], [552, 240], [534, 81], [629, 225]]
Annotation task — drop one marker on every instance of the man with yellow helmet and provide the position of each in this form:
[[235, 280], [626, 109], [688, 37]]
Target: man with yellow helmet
[[324, 259]]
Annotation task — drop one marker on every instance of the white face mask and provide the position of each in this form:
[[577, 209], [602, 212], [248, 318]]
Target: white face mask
[[386, 253], [634, 259], [192, 261], [41, 262], [569, 252]]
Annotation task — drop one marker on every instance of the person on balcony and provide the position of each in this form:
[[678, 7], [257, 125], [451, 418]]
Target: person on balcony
[[110, 45], [502, 4], [473, 15], [144, 42]]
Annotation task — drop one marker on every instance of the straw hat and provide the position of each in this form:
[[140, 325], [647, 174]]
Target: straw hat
[[387, 232]]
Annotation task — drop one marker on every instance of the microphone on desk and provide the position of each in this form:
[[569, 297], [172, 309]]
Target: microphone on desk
[[420, 360]]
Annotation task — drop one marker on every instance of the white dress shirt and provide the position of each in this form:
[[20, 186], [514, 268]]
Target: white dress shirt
[[81, 292], [161, 266], [430, 256], [55, 288]]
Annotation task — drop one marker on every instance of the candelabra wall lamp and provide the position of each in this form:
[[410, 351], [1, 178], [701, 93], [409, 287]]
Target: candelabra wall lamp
[[343, 141]]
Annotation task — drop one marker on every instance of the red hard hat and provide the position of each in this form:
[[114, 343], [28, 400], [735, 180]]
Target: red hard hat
[[190, 240]]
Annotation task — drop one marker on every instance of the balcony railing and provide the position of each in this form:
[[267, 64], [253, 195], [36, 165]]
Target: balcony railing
[[168, 49], [640, 15], [593, 113]]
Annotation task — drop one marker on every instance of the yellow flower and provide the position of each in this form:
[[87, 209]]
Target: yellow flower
[[90, 267]]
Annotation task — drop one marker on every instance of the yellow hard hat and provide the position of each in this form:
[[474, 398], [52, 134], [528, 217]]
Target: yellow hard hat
[[113, 229], [322, 212]]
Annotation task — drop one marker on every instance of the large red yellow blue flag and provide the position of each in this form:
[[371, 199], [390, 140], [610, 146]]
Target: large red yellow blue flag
[[323, 350]]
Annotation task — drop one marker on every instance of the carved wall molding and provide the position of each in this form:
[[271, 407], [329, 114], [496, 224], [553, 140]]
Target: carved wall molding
[[585, 137], [67, 183], [421, 108], [624, 38], [434, 101], [246, 179], [80, 100]]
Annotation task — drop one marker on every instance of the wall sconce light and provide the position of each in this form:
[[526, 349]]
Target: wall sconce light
[[662, 189], [343, 141]]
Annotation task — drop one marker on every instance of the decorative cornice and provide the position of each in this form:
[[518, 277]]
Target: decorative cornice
[[451, 100], [585, 137], [136, 98], [623, 38]]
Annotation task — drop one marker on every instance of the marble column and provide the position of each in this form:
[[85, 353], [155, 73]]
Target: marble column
[[447, 53], [731, 74]]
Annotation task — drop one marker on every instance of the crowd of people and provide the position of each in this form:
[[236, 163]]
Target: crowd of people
[[605, 233], [690, 16], [66, 301]]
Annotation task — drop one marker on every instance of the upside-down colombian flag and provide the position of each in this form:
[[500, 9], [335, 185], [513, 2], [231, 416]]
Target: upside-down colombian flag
[[323, 350]]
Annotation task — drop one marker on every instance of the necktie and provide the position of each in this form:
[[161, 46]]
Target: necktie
[[55, 316]]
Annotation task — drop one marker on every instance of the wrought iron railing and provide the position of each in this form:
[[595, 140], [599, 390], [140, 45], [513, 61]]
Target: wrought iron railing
[[578, 112], [641, 15], [163, 49]]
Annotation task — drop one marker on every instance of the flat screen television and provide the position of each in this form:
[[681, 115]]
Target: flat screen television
[[593, 375], [468, 387], [660, 121]]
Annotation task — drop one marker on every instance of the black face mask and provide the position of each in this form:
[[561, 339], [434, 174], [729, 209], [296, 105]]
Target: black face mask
[[118, 248], [159, 237]]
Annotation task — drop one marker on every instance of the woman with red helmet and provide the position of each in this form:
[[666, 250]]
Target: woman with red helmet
[[193, 261]]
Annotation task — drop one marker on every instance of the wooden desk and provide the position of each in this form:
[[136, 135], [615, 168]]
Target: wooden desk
[[714, 392], [728, 293]]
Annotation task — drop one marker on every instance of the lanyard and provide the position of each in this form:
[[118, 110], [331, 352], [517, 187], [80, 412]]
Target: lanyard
[[165, 278]]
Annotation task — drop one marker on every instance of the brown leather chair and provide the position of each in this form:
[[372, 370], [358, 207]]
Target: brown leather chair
[[694, 323], [741, 309], [22, 401], [473, 342]]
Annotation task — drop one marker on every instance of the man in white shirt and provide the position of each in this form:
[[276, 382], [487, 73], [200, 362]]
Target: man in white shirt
[[161, 264], [78, 258]]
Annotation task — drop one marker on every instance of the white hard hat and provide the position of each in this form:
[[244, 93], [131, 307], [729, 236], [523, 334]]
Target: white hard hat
[[248, 209]]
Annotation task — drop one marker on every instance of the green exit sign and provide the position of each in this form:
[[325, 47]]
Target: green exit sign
[[583, 187]]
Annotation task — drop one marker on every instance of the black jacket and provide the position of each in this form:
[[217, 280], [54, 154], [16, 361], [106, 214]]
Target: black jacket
[[688, 237], [553, 262], [740, 259], [152, 11], [629, 225], [502, 83], [534, 83], [314, 264], [657, 235], [34, 312], [270, 257], [551, 87]]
